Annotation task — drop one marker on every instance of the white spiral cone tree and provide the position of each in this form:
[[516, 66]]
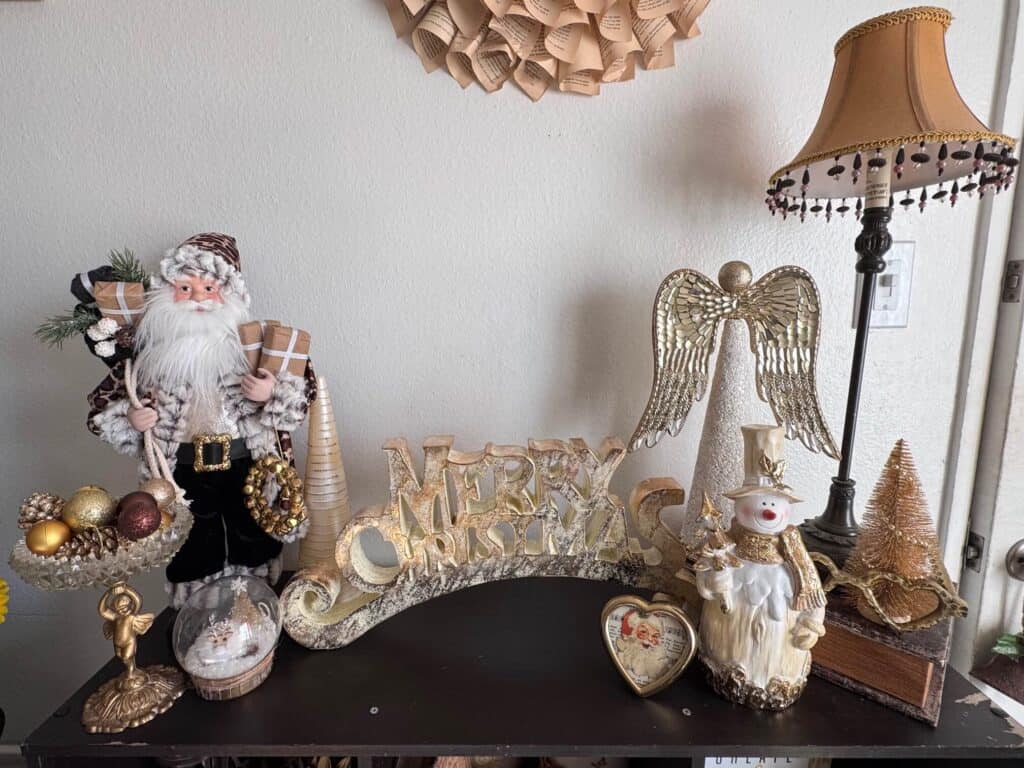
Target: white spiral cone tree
[[325, 485]]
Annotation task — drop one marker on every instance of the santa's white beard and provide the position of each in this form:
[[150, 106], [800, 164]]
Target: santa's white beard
[[178, 345], [647, 662]]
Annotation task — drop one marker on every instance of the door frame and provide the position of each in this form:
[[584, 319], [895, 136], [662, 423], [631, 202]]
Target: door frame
[[984, 483]]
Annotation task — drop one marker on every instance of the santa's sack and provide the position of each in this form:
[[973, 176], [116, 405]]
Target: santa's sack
[[84, 283]]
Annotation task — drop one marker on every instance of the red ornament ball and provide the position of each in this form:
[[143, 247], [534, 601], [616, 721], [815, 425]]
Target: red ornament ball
[[137, 515]]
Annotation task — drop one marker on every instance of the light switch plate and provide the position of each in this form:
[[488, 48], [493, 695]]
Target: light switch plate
[[892, 289]]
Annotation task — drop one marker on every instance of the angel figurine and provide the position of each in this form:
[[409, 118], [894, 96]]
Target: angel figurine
[[123, 623], [782, 314], [137, 695]]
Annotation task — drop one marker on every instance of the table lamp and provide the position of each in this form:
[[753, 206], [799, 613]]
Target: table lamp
[[893, 124]]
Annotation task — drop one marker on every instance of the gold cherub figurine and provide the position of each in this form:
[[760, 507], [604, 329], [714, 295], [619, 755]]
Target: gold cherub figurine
[[120, 606], [137, 695]]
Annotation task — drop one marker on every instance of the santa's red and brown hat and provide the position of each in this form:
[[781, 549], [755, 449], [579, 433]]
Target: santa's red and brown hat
[[208, 254], [629, 623]]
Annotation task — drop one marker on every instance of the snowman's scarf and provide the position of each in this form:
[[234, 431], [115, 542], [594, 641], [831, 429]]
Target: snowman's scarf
[[809, 593], [786, 547]]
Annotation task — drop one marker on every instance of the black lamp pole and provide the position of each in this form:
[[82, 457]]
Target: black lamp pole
[[834, 532]]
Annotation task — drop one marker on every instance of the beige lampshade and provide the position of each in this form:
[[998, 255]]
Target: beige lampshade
[[892, 107]]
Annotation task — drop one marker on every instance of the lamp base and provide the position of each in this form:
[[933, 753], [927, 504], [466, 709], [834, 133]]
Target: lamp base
[[834, 532]]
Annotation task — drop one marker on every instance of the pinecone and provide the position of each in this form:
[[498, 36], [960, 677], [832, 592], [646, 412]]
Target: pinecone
[[95, 542], [38, 507], [125, 337]]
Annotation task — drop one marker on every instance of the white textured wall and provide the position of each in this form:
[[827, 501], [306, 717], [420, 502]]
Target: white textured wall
[[466, 264]]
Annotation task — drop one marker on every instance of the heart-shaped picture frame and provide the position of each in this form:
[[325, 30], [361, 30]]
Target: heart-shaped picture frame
[[650, 643]]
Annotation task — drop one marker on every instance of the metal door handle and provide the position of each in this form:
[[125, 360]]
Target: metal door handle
[[1015, 560]]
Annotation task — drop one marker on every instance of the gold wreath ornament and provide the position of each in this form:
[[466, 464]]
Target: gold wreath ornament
[[290, 509]]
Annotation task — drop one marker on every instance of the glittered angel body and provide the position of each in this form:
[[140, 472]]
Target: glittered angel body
[[764, 608], [203, 406]]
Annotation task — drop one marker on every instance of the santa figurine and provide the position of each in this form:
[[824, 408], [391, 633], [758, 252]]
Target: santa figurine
[[209, 413], [764, 606]]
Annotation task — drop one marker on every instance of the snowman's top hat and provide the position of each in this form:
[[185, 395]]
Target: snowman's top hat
[[763, 465]]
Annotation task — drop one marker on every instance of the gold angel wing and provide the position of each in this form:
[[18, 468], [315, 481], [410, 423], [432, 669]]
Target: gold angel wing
[[142, 622], [783, 312], [687, 311]]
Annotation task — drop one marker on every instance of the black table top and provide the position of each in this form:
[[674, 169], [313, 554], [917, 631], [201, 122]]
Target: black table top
[[511, 668]]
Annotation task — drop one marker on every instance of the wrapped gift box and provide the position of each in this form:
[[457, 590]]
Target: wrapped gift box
[[122, 302], [251, 336], [285, 349]]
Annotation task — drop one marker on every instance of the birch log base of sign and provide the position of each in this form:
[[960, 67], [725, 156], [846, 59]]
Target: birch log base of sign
[[551, 513]]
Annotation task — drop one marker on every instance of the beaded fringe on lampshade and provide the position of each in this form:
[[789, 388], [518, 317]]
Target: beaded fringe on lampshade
[[892, 107]]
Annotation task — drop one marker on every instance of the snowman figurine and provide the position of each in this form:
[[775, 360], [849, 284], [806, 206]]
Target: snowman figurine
[[764, 608]]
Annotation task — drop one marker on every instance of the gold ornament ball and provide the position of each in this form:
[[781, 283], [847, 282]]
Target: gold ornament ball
[[89, 507], [159, 489], [46, 538]]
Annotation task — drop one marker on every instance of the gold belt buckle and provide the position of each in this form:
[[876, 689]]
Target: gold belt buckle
[[199, 441]]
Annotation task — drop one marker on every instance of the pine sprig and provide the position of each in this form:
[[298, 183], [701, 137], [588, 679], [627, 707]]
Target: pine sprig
[[59, 328], [128, 268]]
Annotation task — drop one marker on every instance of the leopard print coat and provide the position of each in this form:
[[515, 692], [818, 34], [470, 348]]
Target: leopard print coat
[[265, 428]]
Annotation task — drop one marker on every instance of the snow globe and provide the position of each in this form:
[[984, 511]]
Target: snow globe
[[225, 636]]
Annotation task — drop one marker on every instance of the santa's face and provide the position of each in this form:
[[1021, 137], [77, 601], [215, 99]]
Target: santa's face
[[648, 634], [764, 512], [202, 293], [188, 336]]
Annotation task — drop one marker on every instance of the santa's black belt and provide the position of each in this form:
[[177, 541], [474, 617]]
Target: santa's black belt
[[211, 453]]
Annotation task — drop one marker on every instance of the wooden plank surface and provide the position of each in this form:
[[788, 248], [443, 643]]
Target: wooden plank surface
[[510, 668]]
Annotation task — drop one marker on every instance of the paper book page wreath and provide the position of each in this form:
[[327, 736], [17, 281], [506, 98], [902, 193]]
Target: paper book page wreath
[[573, 45]]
